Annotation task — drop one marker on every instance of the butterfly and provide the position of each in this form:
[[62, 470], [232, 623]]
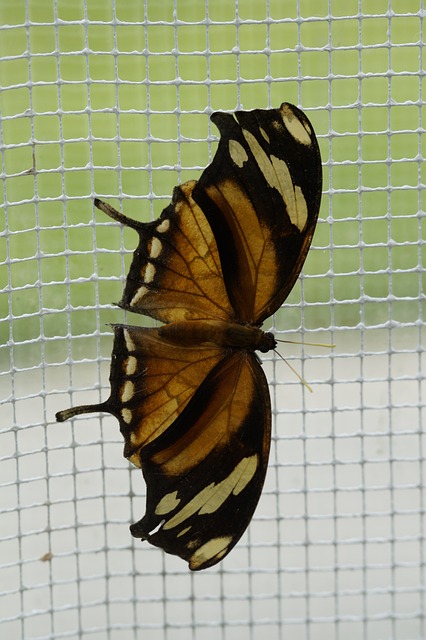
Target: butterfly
[[190, 395]]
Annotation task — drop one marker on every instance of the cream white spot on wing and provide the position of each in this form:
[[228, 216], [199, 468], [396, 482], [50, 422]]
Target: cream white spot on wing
[[261, 157], [156, 529], [215, 548], [234, 483], [130, 365], [301, 207], [156, 247], [163, 226], [291, 194], [214, 495], [168, 503], [248, 468], [126, 415], [138, 295], [130, 345], [237, 153], [127, 391], [300, 131], [264, 134], [277, 174], [149, 273]]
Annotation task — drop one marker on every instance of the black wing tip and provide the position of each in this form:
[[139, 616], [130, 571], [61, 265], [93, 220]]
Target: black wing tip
[[223, 119], [192, 554]]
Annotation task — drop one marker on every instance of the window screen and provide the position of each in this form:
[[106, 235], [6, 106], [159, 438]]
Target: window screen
[[112, 99]]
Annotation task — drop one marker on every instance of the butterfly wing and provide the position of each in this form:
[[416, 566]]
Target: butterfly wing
[[197, 420], [175, 273], [152, 381], [261, 197], [232, 245]]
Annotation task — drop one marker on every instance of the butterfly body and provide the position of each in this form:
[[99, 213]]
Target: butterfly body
[[218, 333], [190, 395]]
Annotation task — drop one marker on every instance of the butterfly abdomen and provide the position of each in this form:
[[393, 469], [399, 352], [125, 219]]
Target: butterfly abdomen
[[218, 333]]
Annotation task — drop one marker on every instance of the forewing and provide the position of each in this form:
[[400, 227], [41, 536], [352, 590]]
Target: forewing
[[175, 272], [261, 197], [205, 474]]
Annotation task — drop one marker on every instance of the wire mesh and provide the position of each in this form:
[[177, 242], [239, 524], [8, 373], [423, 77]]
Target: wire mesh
[[112, 99]]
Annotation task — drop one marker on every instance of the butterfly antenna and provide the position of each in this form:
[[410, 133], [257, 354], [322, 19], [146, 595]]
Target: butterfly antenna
[[296, 373], [327, 345], [310, 344]]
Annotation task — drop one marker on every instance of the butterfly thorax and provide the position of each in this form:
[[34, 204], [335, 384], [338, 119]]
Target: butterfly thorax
[[218, 333]]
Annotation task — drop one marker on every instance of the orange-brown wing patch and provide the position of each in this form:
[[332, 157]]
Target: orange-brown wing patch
[[205, 474], [255, 257], [229, 389], [152, 381], [176, 273]]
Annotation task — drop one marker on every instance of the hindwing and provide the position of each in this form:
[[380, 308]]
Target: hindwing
[[176, 272]]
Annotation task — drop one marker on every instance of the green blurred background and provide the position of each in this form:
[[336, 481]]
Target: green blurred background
[[116, 104]]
